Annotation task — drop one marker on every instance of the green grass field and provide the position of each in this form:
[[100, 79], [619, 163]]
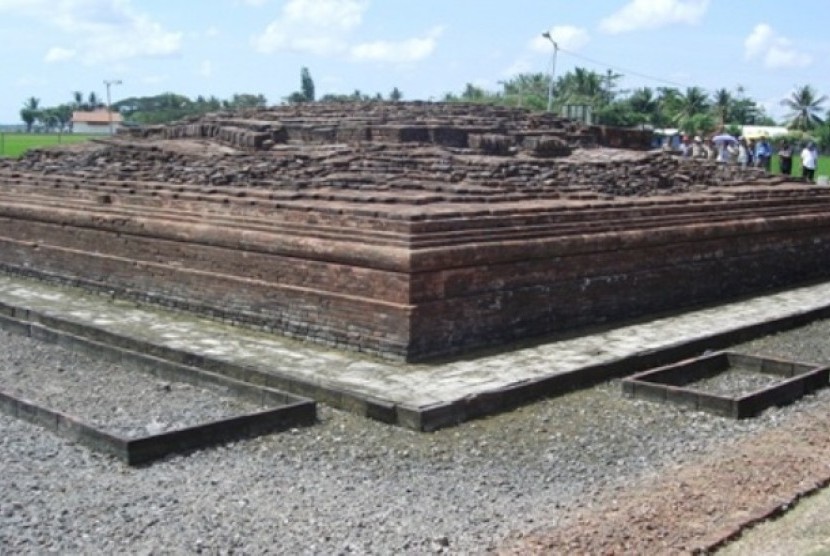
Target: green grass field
[[15, 144]]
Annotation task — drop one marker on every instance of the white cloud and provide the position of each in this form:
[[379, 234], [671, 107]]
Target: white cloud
[[652, 14], [774, 51], [324, 28], [212, 32], [315, 26], [410, 50], [758, 40], [522, 65], [566, 36], [100, 30], [58, 54]]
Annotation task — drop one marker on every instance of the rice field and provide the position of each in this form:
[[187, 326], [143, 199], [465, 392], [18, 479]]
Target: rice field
[[15, 144]]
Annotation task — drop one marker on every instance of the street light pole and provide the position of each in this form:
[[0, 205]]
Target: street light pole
[[546, 34], [110, 83]]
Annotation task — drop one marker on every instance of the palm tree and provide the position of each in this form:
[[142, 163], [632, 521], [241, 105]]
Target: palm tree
[[722, 102], [642, 101], [531, 89], [78, 101], [582, 85], [804, 105], [30, 112], [610, 79], [94, 101], [691, 107], [668, 102]]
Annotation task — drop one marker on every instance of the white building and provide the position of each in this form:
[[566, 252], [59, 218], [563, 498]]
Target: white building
[[96, 121], [769, 131]]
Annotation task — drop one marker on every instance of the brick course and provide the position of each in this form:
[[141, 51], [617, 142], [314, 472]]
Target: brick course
[[377, 248]]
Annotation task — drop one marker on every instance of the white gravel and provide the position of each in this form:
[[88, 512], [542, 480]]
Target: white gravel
[[350, 485]]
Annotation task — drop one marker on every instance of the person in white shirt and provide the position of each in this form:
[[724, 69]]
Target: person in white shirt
[[809, 159]]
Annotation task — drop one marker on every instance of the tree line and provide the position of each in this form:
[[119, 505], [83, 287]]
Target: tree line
[[693, 110]]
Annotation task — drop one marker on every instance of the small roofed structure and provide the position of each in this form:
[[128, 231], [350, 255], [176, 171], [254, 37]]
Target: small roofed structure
[[758, 131], [96, 121]]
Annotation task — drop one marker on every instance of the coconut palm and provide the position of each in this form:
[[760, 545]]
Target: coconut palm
[[722, 102], [581, 86], [644, 102], [805, 104], [30, 112], [78, 101], [690, 109]]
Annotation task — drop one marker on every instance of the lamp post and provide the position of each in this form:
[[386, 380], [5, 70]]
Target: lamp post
[[546, 34], [110, 83]]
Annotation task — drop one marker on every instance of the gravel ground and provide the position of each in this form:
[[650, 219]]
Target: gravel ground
[[118, 400], [350, 485], [735, 383]]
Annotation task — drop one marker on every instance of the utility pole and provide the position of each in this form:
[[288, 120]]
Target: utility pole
[[546, 34], [110, 83]]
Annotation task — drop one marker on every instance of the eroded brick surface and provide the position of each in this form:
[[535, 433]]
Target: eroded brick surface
[[410, 229]]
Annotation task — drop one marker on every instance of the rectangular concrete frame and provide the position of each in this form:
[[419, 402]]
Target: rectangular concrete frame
[[421, 418], [286, 411], [668, 383]]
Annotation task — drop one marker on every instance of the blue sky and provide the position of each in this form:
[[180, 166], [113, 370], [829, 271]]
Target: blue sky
[[424, 47]]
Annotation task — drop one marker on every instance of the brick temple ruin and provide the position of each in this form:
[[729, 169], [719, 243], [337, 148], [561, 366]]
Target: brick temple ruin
[[406, 230]]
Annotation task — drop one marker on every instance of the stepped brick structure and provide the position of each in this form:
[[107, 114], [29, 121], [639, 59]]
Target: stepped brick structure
[[407, 230]]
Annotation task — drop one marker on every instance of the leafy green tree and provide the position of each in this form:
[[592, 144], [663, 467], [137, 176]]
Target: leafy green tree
[[698, 124], [822, 134], [733, 129], [48, 119], [63, 116], [804, 104], [473, 94], [30, 112], [245, 100], [395, 95], [93, 101], [620, 114], [307, 85], [527, 90]]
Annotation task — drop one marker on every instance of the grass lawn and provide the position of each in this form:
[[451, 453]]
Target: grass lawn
[[15, 144], [823, 168]]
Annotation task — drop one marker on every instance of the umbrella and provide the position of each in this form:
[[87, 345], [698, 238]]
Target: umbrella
[[724, 138]]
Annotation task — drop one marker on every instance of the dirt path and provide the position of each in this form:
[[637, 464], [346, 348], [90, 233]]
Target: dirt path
[[698, 507]]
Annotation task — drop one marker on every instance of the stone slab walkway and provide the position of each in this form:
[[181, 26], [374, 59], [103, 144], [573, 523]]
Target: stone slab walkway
[[429, 395]]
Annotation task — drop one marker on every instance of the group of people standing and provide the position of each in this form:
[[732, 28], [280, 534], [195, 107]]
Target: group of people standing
[[748, 153]]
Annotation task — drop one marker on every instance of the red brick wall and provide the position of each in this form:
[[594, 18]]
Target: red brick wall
[[481, 282]]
